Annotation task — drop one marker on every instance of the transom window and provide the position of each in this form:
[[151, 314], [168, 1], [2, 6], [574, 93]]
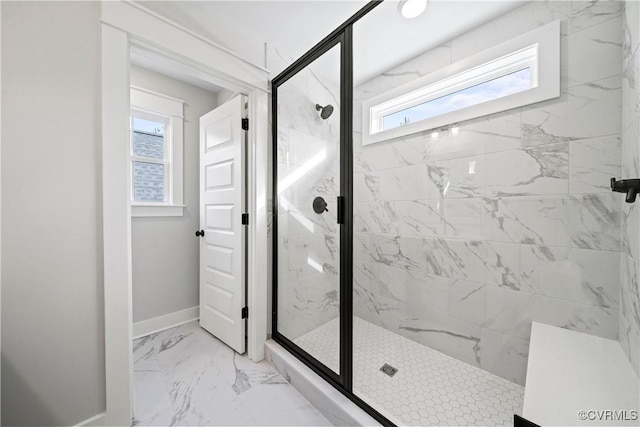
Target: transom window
[[485, 83], [521, 71]]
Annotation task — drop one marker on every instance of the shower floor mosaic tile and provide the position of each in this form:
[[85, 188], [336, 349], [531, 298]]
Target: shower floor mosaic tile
[[429, 388]]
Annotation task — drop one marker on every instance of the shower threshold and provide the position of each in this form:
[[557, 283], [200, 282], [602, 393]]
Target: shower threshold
[[429, 387]]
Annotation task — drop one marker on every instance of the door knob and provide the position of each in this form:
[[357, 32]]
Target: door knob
[[200, 233]]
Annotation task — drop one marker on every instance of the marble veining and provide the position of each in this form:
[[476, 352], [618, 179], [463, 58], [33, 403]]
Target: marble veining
[[518, 21], [629, 320], [535, 170], [587, 13], [581, 275], [593, 162], [630, 311], [466, 234], [184, 376], [599, 40], [577, 114]]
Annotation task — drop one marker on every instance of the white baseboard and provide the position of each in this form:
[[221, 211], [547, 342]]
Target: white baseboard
[[160, 323], [97, 420]]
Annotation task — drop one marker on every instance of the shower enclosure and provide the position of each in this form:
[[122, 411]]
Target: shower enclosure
[[442, 182]]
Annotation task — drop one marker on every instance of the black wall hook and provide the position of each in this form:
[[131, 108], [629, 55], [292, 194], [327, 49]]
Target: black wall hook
[[629, 186]]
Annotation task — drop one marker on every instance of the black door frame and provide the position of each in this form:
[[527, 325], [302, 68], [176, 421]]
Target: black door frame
[[343, 382]]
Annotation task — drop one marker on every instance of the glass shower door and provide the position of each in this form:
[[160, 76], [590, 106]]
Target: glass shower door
[[307, 187]]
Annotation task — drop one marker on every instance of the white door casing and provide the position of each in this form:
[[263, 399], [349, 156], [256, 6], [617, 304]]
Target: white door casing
[[126, 24], [222, 203]]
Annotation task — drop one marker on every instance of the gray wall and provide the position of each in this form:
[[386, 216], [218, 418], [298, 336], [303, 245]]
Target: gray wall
[[224, 95], [165, 249], [52, 291]]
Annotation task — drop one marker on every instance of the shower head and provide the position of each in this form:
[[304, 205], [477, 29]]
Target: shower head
[[325, 112]]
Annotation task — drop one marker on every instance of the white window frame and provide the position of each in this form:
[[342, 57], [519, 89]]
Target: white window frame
[[166, 160], [538, 50], [156, 106]]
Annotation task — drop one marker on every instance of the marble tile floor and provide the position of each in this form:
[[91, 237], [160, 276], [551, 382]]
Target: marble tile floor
[[185, 376], [429, 388]]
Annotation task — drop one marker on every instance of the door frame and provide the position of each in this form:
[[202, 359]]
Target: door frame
[[125, 24]]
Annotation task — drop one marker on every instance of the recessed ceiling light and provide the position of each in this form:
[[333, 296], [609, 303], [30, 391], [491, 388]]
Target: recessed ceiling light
[[412, 8]]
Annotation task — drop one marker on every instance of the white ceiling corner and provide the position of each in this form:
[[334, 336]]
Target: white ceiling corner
[[294, 26]]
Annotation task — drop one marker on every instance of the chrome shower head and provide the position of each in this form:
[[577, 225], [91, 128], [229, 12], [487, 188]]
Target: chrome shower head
[[326, 111]]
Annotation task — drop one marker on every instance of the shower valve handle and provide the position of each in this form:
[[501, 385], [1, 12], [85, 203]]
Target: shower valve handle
[[319, 205], [629, 186]]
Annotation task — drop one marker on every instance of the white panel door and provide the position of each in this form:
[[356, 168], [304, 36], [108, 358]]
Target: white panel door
[[222, 202]]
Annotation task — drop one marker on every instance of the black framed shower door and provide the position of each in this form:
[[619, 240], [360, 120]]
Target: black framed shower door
[[340, 40]]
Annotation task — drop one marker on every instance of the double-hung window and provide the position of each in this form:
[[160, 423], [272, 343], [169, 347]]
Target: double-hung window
[[156, 154]]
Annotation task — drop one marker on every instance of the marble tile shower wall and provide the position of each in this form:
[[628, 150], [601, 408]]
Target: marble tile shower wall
[[308, 166], [466, 235], [629, 294]]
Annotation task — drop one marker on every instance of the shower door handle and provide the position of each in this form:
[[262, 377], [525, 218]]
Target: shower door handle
[[340, 210]]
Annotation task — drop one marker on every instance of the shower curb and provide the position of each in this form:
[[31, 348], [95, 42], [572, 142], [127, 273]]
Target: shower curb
[[330, 402]]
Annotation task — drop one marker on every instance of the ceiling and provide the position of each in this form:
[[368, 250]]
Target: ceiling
[[382, 39], [294, 26]]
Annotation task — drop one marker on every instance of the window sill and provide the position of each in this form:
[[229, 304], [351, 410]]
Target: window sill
[[138, 211]]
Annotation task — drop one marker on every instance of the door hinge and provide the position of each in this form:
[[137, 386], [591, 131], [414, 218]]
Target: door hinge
[[245, 312], [245, 219], [245, 124]]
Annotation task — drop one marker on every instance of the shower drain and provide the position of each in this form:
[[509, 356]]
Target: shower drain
[[388, 369]]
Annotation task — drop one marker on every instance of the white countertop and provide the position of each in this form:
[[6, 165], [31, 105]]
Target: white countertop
[[570, 371]]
